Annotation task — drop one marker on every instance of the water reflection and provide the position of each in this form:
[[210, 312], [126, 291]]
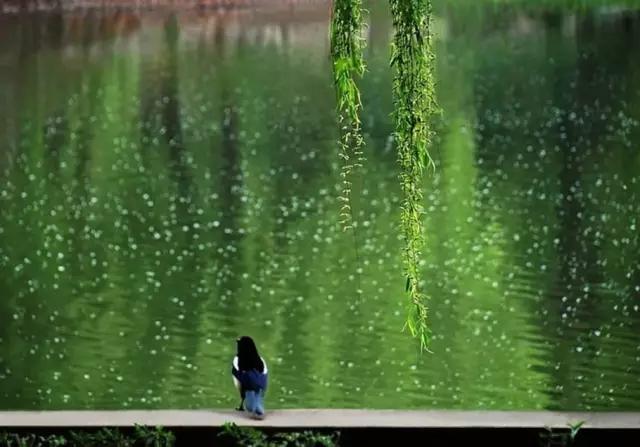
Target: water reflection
[[169, 182]]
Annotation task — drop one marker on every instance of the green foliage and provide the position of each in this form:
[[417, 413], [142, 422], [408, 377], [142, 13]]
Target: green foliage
[[154, 436], [415, 104], [575, 428], [348, 65], [31, 440], [414, 97], [247, 436], [102, 438], [244, 436], [560, 438], [106, 437]]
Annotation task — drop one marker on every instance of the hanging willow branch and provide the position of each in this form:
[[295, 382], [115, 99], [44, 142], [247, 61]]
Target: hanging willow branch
[[414, 100], [348, 65]]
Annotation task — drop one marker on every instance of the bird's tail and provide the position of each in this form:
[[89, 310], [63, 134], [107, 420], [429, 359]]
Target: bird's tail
[[254, 403]]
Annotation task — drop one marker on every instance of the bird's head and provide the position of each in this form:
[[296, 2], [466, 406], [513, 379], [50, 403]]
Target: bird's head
[[245, 345], [248, 356]]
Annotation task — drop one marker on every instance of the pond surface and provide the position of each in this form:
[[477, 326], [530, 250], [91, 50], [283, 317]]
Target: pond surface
[[168, 183]]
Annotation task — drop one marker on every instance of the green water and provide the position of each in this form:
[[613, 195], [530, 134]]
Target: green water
[[169, 182]]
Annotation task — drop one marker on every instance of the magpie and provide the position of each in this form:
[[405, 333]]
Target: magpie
[[249, 371]]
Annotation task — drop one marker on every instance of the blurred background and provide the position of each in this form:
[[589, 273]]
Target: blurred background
[[168, 182]]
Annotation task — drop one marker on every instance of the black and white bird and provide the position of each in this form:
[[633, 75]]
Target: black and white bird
[[249, 371]]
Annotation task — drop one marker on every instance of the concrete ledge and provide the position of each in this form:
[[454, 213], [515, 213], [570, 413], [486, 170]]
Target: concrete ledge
[[325, 418]]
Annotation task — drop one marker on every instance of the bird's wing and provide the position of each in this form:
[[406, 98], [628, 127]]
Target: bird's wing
[[235, 369]]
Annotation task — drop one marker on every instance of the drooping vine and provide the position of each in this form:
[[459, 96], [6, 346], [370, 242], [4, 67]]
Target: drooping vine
[[348, 66], [413, 59], [414, 102]]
